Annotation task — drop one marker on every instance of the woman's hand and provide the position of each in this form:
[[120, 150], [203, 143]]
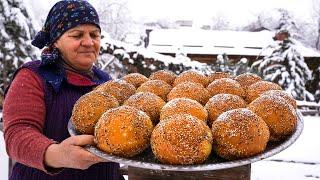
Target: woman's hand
[[70, 153]]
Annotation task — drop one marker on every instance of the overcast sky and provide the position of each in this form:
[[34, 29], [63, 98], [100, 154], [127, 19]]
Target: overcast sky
[[201, 11]]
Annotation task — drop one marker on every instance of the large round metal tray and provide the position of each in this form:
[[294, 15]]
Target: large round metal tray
[[148, 161]]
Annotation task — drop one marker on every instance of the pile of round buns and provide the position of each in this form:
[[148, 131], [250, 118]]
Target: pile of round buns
[[186, 117]]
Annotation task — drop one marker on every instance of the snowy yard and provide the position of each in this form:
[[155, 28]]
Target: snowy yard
[[300, 161]]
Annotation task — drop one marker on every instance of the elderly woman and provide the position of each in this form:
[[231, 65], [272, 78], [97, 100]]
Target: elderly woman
[[39, 101]]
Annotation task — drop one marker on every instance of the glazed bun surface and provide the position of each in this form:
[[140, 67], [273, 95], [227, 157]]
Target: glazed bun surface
[[181, 139], [123, 131]]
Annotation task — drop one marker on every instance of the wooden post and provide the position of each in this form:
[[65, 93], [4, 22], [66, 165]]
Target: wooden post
[[237, 173]]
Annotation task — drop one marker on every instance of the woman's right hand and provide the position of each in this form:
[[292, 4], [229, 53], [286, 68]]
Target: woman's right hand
[[71, 154]]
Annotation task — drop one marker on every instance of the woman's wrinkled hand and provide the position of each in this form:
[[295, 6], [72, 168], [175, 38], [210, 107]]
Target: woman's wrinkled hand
[[71, 154]]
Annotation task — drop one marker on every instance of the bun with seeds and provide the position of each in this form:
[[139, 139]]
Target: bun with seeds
[[282, 94], [221, 103], [88, 109], [186, 106], [190, 90], [239, 133], [279, 115], [246, 79], [120, 89], [157, 87], [123, 131], [256, 89], [181, 139], [148, 103], [191, 76], [225, 86], [163, 75], [218, 75], [135, 79]]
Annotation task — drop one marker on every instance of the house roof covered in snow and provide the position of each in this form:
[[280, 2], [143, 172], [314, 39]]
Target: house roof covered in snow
[[198, 41]]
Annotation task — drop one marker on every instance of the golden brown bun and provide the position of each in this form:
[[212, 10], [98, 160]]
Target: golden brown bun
[[120, 89], [157, 87], [191, 76], [225, 86], [135, 79], [279, 115], [163, 75], [221, 103], [186, 106], [247, 79], [256, 89], [218, 75], [148, 103], [190, 90], [181, 139], [239, 133], [88, 109], [282, 94], [123, 131]]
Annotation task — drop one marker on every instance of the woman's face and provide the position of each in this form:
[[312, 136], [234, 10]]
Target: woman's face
[[80, 46]]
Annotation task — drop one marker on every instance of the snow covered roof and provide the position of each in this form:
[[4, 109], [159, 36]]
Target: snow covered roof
[[198, 41]]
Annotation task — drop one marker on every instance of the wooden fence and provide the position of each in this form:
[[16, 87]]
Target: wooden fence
[[309, 108]]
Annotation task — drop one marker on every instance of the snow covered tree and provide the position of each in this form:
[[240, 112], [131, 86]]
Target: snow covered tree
[[242, 66], [286, 67], [223, 64], [115, 18], [16, 30], [314, 84]]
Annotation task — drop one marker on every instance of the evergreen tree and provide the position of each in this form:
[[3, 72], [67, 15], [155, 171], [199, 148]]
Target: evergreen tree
[[286, 67], [314, 84], [16, 30]]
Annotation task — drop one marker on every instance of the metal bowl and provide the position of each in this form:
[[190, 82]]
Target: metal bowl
[[147, 159]]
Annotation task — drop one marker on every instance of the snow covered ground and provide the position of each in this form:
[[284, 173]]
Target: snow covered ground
[[301, 161]]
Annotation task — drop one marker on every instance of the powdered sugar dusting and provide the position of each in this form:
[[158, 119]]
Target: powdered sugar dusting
[[166, 76], [178, 139], [190, 90], [147, 102], [191, 76], [239, 133], [184, 105], [157, 87], [135, 79], [218, 75], [221, 103], [119, 88], [226, 86]]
